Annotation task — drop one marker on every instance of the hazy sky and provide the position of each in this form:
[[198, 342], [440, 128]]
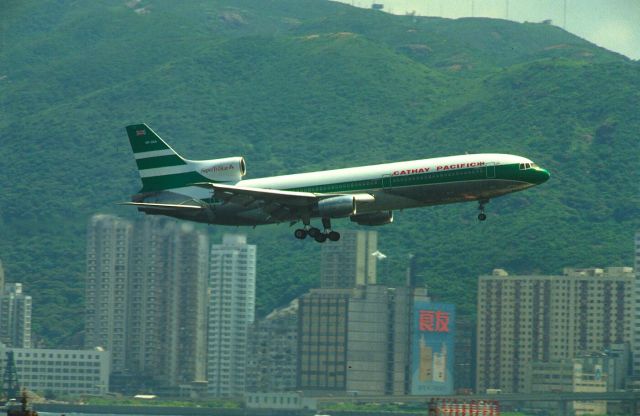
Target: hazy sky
[[613, 24]]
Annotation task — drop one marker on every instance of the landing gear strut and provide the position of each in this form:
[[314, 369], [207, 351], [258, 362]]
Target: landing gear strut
[[332, 235], [482, 216], [301, 233]]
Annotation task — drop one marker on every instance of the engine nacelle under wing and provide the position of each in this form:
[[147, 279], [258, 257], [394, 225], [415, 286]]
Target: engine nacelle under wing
[[337, 206], [373, 218], [229, 169]]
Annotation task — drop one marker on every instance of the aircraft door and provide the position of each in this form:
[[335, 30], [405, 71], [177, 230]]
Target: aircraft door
[[491, 170], [386, 181]]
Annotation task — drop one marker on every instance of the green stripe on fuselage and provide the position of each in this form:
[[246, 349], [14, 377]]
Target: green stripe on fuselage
[[160, 162], [504, 172]]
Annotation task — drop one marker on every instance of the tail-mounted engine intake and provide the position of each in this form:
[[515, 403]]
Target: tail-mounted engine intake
[[374, 218], [227, 169]]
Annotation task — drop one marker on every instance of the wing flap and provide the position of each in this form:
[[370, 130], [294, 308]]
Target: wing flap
[[164, 207]]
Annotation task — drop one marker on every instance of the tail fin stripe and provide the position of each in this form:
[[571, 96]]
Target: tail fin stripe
[[160, 162], [169, 170], [154, 153], [157, 183]]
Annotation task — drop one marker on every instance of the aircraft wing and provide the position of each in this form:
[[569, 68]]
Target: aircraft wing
[[164, 207], [244, 196], [277, 203]]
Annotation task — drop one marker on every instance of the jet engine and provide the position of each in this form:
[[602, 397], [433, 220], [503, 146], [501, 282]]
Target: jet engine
[[337, 206], [373, 218], [227, 169]]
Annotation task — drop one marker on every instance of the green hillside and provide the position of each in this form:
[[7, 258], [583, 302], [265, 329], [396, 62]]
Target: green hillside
[[300, 85]]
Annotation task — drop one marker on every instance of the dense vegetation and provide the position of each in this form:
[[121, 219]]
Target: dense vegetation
[[299, 85]]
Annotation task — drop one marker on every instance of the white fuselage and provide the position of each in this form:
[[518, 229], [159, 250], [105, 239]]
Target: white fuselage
[[392, 185]]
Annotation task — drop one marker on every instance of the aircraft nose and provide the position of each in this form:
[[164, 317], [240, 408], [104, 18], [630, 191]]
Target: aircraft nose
[[542, 176]]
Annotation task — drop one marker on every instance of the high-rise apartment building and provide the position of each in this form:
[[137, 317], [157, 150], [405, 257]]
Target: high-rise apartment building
[[322, 340], [106, 286], [15, 316], [273, 351], [548, 318], [379, 339], [636, 312], [231, 312], [148, 267], [357, 340], [1, 275], [186, 305], [465, 355], [349, 262], [146, 298]]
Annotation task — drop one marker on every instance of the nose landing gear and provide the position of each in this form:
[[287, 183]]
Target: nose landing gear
[[482, 216]]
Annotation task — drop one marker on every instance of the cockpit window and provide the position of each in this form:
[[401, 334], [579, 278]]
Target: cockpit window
[[524, 166]]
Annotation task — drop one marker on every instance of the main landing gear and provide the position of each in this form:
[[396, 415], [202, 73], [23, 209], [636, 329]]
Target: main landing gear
[[315, 233], [482, 216]]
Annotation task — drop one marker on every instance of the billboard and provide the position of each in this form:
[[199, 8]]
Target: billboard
[[432, 348]]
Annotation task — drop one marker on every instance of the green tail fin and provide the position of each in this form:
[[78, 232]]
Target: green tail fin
[[160, 167]]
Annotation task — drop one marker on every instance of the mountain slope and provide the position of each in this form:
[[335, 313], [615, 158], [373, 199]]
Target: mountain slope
[[306, 85]]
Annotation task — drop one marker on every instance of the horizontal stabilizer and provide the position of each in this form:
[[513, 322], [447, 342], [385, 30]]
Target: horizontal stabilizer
[[165, 207]]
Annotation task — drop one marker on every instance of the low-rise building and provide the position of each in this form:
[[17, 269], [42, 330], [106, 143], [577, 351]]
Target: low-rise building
[[280, 400], [61, 372], [588, 373]]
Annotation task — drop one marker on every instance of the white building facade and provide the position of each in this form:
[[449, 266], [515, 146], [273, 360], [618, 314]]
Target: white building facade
[[61, 372], [15, 316], [231, 311]]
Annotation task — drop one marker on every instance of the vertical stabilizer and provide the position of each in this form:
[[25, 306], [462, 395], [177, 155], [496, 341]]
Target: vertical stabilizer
[[160, 167]]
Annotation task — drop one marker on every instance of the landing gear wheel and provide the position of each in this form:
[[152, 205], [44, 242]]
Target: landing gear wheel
[[334, 236], [321, 238], [300, 233], [314, 232], [481, 203]]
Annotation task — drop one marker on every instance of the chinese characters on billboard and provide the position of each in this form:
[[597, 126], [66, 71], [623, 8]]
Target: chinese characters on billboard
[[432, 348]]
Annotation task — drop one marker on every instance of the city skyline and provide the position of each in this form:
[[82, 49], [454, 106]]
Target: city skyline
[[132, 259]]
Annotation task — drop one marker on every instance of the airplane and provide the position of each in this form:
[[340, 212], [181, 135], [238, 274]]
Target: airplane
[[214, 191]]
